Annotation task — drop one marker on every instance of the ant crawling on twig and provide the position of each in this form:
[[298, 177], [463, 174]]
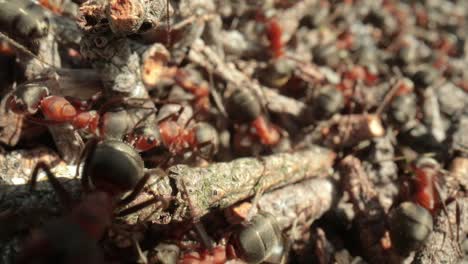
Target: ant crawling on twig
[[111, 169]]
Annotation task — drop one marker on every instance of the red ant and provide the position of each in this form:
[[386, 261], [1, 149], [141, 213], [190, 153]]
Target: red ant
[[257, 241], [244, 106], [30, 98], [155, 69], [413, 221], [274, 32], [426, 192], [354, 75], [174, 136], [107, 122], [111, 169]]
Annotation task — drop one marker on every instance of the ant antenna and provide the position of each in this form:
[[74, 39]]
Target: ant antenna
[[25, 50], [168, 24]]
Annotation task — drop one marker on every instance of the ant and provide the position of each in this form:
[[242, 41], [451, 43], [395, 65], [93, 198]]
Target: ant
[[352, 76], [155, 69], [174, 135], [243, 106], [413, 221], [274, 32], [111, 169], [258, 241], [107, 122], [425, 184]]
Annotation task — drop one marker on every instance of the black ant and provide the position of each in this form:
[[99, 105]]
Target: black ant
[[111, 169]]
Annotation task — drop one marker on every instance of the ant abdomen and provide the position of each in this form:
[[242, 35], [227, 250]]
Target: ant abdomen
[[243, 106], [114, 166]]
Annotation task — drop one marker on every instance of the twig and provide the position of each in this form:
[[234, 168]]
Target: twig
[[300, 203], [222, 184]]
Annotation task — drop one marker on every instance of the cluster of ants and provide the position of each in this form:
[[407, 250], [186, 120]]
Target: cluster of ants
[[348, 47]]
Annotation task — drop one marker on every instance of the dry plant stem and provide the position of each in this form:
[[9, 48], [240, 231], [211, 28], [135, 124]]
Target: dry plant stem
[[222, 184], [356, 182], [441, 246], [296, 206], [206, 57], [459, 170], [349, 130]]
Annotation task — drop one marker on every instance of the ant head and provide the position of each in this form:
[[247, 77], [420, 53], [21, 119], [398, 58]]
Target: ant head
[[144, 138], [426, 162], [114, 166], [26, 98], [243, 105]]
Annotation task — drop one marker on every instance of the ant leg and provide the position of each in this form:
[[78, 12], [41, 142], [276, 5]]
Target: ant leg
[[258, 193], [130, 102], [174, 115], [458, 214], [139, 206], [63, 195], [84, 105], [199, 228], [144, 118], [136, 191]]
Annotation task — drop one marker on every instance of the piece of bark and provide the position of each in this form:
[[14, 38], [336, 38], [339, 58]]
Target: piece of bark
[[223, 184], [207, 58], [350, 130], [297, 206], [443, 245]]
